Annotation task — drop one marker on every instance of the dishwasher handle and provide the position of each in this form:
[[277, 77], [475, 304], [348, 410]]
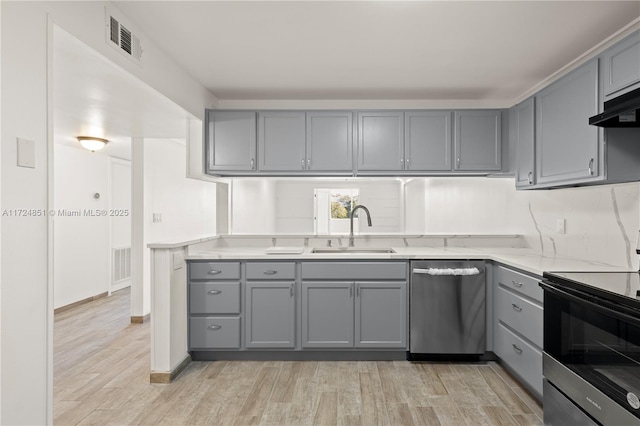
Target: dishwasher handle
[[447, 271]]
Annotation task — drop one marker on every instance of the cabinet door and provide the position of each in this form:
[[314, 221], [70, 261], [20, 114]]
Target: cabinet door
[[270, 315], [327, 314], [478, 141], [381, 315], [330, 141], [621, 65], [525, 141], [231, 140], [281, 141], [380, 140], [427, 140], [567, 147]]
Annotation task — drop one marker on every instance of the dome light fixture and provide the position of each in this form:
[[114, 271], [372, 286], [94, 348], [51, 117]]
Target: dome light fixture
[[92, 143]]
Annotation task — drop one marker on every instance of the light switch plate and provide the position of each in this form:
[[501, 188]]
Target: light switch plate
[[561, 226], [26, 153]]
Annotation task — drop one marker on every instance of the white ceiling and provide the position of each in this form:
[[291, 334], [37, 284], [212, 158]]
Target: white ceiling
[[94, 97], [480, 50]]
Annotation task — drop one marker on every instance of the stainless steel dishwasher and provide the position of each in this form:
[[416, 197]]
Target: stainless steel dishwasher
[[447, 309]]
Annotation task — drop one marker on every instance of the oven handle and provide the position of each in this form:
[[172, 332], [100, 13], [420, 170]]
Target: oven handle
[[629, 318]]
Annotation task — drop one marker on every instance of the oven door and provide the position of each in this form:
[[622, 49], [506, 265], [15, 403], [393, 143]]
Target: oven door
[[592, 353]]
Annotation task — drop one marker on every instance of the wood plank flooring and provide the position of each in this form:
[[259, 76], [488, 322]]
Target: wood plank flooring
[[101, 377]]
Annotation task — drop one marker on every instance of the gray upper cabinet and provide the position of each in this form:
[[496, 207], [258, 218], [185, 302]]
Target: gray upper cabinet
[[270, 314], [281, 141], [525, 141], [567, 147], [478, 140], [329, 141], [381, 140], [327, 314], [381, 315], [621, 67], [231, 140], [427, 140]]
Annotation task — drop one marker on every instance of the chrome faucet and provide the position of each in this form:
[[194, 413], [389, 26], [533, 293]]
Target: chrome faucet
[[366, 210]]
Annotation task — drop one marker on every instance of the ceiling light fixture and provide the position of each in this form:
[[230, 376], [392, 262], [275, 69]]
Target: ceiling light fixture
[[92, 143]]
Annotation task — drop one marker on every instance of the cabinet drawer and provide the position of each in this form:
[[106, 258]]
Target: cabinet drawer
[[214, 333], [520, 314], [214, 298], [354, 271], [271, 270], [522, 283], [522, 358], [214, 270]]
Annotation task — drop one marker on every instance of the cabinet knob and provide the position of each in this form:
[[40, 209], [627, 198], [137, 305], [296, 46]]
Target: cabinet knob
[[214, 292], [516, 283], [406, 162], [309, 163], [214, 272], [215, 327], [516, 307], [591, 167], [291, 290], [302, 164], [516, 349], [458, 162], [253, 162]]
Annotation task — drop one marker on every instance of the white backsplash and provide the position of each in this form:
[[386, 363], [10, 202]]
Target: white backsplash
[[601, 222]]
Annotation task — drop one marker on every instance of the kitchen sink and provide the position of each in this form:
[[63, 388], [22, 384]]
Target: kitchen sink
[[352, 250]]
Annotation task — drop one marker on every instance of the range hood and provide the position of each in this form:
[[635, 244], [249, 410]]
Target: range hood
[[623, 111]]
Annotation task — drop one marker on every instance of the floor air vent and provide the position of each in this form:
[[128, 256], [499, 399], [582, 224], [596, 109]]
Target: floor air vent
[[121, 264], [122, 38]]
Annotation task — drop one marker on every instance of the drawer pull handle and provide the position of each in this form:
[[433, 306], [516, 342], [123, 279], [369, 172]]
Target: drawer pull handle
[[516, 307], [270, 272], [517, 349], [214, 272], [291, 289], [214, 292], [517, 283], [215, 327]]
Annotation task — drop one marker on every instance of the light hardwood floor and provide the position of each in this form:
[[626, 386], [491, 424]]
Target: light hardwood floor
[[101, 376]]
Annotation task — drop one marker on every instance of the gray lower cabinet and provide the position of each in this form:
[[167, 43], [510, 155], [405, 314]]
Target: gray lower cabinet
[[327, 314], [329, 141], [381, 140], [231, 140], [381, 315], [281, 141], [270, 314], [621, 67], [517, 325], [478, 140], [214, 332], [525, 142], [568, 149], [427, 140]]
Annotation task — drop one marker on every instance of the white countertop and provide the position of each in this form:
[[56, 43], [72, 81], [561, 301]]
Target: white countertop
[[521, 258]]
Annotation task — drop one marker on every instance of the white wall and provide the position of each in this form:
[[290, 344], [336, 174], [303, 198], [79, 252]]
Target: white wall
[[27, 303], [187, 206], [81, 243]]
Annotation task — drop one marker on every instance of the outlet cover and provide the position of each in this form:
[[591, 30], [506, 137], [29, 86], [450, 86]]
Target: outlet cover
[[26, 153], [157, 217], [561, 226]]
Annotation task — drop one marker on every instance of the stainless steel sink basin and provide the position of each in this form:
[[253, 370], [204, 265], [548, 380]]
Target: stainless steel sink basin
[[352, 250]]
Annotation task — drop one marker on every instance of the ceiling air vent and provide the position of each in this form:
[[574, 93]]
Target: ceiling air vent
[[123, 38]]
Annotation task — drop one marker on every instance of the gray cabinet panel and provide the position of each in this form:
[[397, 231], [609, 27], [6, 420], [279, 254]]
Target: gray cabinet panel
[[270, 315], [354, 270], [231, 140], [330, 141], [519, 282], [380, 140], [567, 147], [381, 315], [281, 141], [327, 315], [520, 314], [214, 298], [214, 332], [478, 140], [427, 140], [214, 270], [525, 140], [621, 65], [271, 270], [521, 357]]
